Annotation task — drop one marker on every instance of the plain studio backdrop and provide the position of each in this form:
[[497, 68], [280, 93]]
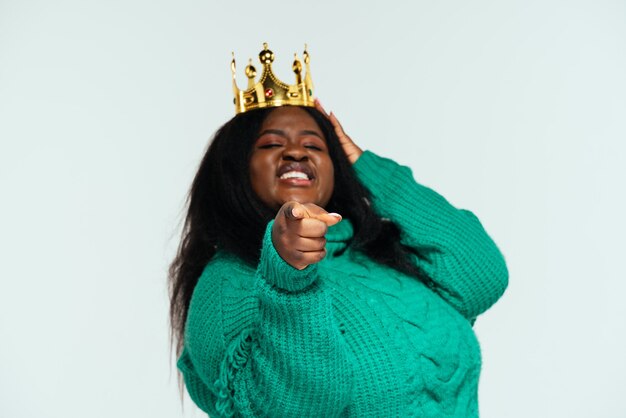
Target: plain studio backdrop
[[515, 110]]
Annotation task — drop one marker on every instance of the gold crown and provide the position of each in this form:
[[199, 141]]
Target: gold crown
[[270, 91]]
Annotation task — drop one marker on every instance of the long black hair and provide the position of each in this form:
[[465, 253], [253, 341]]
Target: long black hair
[[225, 214]]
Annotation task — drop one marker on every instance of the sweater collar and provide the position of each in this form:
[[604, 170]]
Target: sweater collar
[[339, 236]]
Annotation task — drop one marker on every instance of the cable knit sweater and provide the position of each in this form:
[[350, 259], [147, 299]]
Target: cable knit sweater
[[347, 336]]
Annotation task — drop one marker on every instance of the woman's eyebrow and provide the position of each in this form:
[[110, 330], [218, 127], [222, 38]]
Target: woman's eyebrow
[[282, 133], [309, 132], [273, 131]]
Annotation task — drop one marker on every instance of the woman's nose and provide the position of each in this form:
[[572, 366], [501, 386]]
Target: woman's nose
[[295, 153]]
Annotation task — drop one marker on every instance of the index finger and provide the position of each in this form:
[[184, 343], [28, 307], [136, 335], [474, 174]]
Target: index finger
[[329, 219]]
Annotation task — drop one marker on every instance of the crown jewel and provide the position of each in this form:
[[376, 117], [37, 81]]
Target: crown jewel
[[269, 91]]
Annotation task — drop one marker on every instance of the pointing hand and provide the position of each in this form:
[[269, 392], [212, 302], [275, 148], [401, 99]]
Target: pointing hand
[[298, 233]]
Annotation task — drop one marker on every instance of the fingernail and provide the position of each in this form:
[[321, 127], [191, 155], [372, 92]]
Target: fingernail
[[336, 215]]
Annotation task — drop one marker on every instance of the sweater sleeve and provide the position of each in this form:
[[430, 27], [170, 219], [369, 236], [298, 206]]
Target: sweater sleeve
[[467, 268], [272, 348]]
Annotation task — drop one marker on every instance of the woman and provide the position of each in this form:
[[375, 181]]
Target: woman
[[315, 279]]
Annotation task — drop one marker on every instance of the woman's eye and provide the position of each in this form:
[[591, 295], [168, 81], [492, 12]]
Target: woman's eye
[[315, 147], [267, 146]]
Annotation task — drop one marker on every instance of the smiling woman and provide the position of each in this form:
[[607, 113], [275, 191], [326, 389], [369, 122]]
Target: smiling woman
[[316, 279], [290, 160]]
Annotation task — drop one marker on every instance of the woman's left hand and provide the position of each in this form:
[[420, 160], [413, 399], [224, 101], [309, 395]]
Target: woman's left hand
[[352, 151]]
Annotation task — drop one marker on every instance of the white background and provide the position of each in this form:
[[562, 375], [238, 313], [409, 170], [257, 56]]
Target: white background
[[515, 110]]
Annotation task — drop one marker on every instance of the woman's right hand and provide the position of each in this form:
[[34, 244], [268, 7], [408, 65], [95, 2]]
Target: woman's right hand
[[298, 233]]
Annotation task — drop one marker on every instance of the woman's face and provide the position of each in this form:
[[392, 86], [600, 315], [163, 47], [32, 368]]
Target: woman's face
[[290, 160]]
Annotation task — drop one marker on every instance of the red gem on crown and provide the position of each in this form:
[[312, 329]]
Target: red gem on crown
[[269, 93]]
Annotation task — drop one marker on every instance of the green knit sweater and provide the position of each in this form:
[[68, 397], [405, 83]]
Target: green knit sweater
[[347, 336]]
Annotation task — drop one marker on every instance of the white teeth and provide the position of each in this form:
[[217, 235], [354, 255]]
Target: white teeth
[[294, 175]]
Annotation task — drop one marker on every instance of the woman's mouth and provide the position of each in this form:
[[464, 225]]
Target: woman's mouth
[[296, 174], [296, 178]]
